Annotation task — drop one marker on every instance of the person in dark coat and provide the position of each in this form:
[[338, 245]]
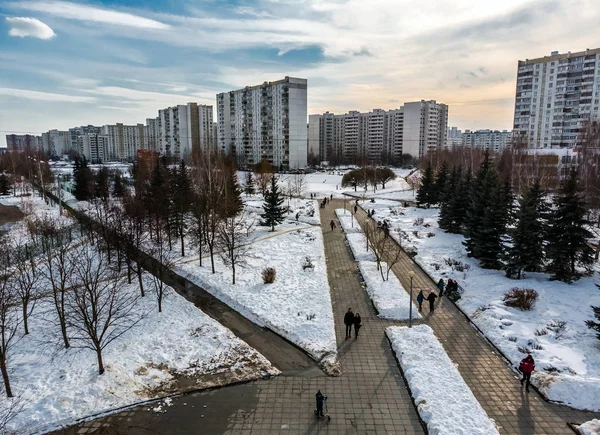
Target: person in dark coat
[[440, 286], [526, 367], [320, 399], [420, 299], [349, 321], [332, 225], [431, 298], [355, 208], [357, 325]]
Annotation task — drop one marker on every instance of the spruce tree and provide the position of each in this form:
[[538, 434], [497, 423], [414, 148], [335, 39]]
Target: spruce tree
[[82, 179], [427, 185], [273, 212], [595, 325], [447, 198], [233, 203], [181, 199], [568, 235], [249, 184], [526, 252], [479, 197], [439, 186], [4, 185], [101, 184], [118, 190], [459, 203]]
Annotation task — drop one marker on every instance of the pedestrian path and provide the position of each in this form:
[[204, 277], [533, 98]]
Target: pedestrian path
[[493, 383]]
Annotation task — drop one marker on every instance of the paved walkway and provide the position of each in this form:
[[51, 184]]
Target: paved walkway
[[493, 383], [370, 397]]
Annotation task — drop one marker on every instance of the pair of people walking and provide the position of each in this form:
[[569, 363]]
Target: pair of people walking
[[431, 297], [350, 320]]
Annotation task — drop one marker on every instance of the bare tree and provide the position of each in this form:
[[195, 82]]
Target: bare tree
[[26, 280], [233, 232], [134, 234], [9, 409], [9, 319], [299, 181], [392, 253], [163, 265], [262, 174], [100, 309]]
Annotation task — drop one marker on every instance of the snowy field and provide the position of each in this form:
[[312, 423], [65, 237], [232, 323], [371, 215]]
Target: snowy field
[[567, 355], [60, 386], [298, 304], [445, 402], [389, 297]]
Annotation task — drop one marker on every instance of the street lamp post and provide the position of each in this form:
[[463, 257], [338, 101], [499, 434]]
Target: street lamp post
[[411, 274]]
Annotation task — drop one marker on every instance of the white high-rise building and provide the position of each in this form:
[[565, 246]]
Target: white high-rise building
[[380, 135], [555, 97], [56, 142], [94, 147], [152, 134], [184, 128], [123, 141], [265, 121], [23, 142], [493, 140]]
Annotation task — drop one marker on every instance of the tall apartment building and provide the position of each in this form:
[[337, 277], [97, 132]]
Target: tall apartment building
[[152, 134], [123, 141], [184, 128], [23, 142], [265, 121], [94, 146], [380, 135], [76, 132], [493, 140], [555, 96], [55, 143]]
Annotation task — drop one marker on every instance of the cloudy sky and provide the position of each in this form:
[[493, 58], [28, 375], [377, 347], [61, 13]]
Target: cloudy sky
[[64, 64]]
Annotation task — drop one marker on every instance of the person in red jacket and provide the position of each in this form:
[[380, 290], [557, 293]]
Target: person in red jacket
[[526, 367]]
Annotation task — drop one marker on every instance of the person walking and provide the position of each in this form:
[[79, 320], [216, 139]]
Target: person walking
[[297, 216], [332, 225], [526, 367], [420, 299], [320, 400], [440, 286], [431, 298], [357, 325], [349, 321], [355, 208]]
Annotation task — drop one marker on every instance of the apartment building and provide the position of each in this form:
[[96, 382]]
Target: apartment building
[[152, 134], [265, 121], [123, 141], [555, 96], [380, 135], [94, 147], [76, 132], [55, 143], [23, 142], [493, 140], [182, 129]]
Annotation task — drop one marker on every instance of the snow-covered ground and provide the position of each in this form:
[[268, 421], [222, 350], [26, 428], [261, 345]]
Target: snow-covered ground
[[445, 402], [389, 297], [591, 427], [567, 356], [60, 386], [298, 304]]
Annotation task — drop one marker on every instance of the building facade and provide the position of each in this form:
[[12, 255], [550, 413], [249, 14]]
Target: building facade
[[265, 121], [493, 140], [123, 141], [55, 143], [379, 136], [181, 129], [555, 96], [23, 142], [94, 147]]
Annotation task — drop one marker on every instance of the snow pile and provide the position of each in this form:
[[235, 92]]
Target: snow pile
[[444, 400], [389, 297], [347, 221], [591, 427], [181, 343], [297, 305], [358, 245], [567, 353]]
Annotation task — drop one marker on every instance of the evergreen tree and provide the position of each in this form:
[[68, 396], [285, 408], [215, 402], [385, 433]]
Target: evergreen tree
[[595, 325], [527, 237], [568, 235], [273, 212], [118, 188], [249, 184], [441, 179], [479, 197], [427, 186], [450, 191], [181, 195], [459, 203], [233, 203], [490, 236], [82, 180], [101, 184], [5, 185]]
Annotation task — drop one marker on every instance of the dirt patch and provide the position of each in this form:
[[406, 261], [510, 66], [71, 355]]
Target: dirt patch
[[10, 213]]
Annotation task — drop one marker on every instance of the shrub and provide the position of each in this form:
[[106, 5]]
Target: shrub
[[559, 327], [418, 221], [268, 275], [523, 350], [540, 332], [522, 298], [535, 346], [307, 264], [512, 338]]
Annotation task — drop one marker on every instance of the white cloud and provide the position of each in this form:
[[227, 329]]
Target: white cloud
[[45, 96], [24, 26], [75, 11]]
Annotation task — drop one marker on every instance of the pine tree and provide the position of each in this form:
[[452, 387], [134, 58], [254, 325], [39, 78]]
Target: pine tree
[[439, 186], [181, 200], [101, 184], [118, 188], [527, 237], [233, 203], [479, 197], [459, 203], [4, 185], [490, 241], [427, 185], [273, 212], [568, 235], [82, 179], [447, 198], [249, 184], [595, 325]]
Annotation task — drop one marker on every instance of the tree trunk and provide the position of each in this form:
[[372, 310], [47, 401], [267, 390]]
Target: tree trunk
[[100, 364], [139, 275], [128, 271], [160, 301], [5, 377], [63, 330], [212, 258], [25, 317], [233, 271], [182, 244]]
